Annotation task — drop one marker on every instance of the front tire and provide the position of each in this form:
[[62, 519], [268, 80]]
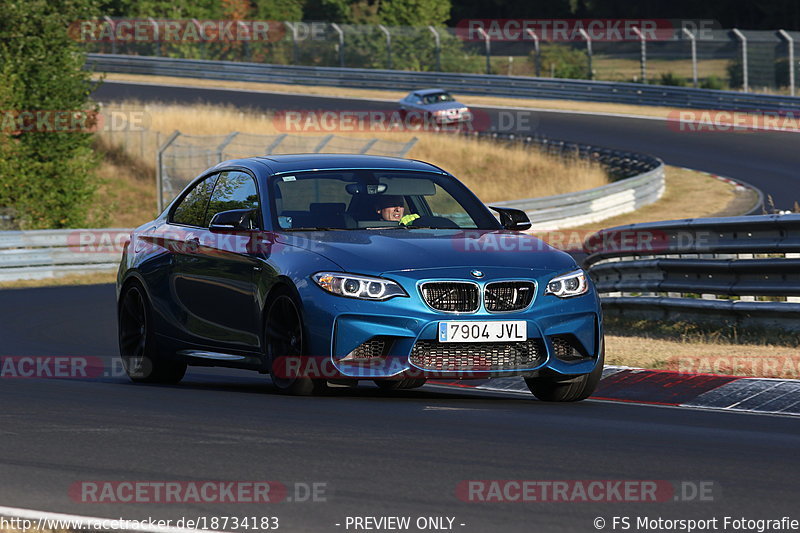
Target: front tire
[[284, 337], [553, 389], [138, 349]]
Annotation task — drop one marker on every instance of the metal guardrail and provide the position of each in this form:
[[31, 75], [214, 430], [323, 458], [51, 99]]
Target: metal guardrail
[[702, 269], [593, 205], [43, 254], [476, 84], [641, 181]]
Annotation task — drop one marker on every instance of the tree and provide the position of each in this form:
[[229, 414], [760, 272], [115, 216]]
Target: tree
[[414, 12], [46, 176]]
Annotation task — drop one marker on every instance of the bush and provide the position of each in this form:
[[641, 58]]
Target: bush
[[712, 82], [563, 61], [46, 176], [735, 75], [672, 79]]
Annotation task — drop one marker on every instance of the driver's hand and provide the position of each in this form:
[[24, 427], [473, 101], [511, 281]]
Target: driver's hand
[[408, 219]]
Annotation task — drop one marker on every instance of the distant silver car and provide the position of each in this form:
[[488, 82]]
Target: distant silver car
[[436, 105]]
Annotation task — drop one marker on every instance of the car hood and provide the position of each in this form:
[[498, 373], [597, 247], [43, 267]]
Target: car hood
[[380, 251], [443, 106]]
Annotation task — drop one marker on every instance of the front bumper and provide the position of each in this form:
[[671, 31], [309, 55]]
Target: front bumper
[[338, 327]]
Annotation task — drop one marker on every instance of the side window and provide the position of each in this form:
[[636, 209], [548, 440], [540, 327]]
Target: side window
[[191, 211], [234, 190]]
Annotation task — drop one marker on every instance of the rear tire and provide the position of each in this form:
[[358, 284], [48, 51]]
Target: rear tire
[[553, 389], [284, 337], [140, 353]]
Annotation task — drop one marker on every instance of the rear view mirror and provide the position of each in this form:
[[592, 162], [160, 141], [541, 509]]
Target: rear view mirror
[[513, 219], [361, 188]]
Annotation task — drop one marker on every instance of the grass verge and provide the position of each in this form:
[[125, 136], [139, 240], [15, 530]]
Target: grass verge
[[493, 171], [95, 278], [689, 347], [688, 194]]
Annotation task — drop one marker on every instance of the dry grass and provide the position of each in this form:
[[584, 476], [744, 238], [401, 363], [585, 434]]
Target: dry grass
[[494, 172], [692, 347], [95, 278], [770, 361], [689, 194], [128, 186]]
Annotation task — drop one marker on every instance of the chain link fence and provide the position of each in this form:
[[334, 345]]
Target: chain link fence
[[183, 157], [709, 58]]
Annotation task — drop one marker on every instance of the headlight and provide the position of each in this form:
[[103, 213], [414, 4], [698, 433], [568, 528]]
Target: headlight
[[567, 285], [354, 286]]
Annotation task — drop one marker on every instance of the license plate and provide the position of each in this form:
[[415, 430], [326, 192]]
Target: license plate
[[494, 331]]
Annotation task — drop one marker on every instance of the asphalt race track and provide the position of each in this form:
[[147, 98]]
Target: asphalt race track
[[768, 160], [378, 453]]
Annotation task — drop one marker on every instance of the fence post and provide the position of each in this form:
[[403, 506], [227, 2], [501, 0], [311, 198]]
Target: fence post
[[409, 145], [367, 146], [388, 45], [488, 45], [693, 41], [322, 144], [224, 144], [739, 35], [203, 40], [341, 42], [293, 27], [537, 58], [160, 169], [246, 45], [275, 143], [643, 60], [113, 34], [438, 48], [790, 42], [156, 39], [588, 50]]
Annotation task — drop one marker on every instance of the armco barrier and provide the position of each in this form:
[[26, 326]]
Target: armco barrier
[[52, 253], [702, 269], [477, 84], [593, 205]]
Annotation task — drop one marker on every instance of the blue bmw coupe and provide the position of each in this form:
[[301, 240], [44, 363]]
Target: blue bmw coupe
[[320, 268]]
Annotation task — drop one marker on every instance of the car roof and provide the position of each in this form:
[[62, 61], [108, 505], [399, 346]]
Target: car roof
[[424, 92], [279, 164]]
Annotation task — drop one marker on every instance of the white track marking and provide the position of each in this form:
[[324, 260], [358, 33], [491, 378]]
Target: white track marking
[[89, 522]]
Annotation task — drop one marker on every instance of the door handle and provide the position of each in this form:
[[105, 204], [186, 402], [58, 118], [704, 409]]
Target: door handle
[[192, 244]]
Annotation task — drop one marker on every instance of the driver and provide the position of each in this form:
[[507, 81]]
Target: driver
[[392, 209]]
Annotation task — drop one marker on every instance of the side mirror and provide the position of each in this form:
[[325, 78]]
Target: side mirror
[[513, 219], [234, 220]]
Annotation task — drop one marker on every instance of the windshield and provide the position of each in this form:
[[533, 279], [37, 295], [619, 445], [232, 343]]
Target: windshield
[[375, 199], [436, 98]]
